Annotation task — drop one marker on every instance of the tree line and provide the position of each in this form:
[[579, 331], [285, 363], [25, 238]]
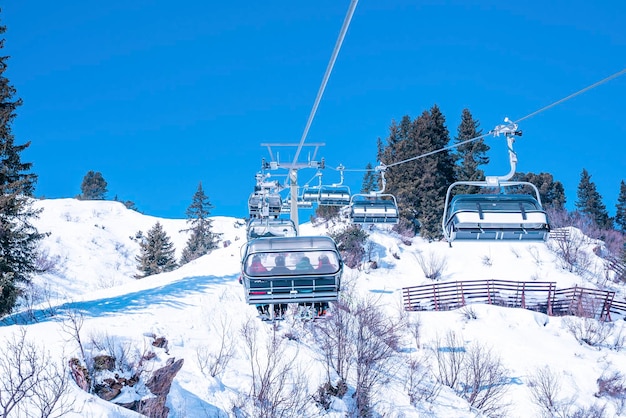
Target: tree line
[[420, 184]]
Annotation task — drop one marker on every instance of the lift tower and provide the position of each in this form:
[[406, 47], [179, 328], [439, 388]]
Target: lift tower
[[293, 168]]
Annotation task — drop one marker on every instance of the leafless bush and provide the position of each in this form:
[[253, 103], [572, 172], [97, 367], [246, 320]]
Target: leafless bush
[[32, 383], [46, 263], [535, 255], [417, 382], [214, 363], [333, 339], [618, 340], [487, 260], [376, 339], [570, 252], [449, 353], [71, 325], [477, 374], [589, 331], [325, 393], [414, 324], [433, 265], [468, 312], [483, 381], [545, 386], [612, 384], [279, 389], [593, 411]]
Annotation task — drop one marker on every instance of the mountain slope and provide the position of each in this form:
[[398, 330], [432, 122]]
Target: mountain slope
[[92, 246]]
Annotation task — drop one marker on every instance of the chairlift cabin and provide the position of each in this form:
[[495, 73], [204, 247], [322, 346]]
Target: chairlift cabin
[[334, 195], [495, 217], [264, 205], [519, 217], [373, 208], [310, 194], [266, 227], [274, 270]]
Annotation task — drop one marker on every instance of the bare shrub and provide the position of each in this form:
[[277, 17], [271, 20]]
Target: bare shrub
[[71, 325], [278, 389], [449, 353], [32, 383], [544, 386], [417, 382], [468, 312], [476, 374], [612, 385], [618, 340], [46, 263], [483, 380], [325, 393], [433, 265], [535, 255], [414, 324], [570, 252], [588, 331], [214, 363], [593, 411], [333, 339], [376, 339]]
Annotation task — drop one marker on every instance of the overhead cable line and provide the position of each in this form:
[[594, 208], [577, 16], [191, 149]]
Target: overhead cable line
[[498, 129], [329, 69]]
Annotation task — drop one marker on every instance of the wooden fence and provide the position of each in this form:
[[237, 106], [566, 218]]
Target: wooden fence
[[538, 296]]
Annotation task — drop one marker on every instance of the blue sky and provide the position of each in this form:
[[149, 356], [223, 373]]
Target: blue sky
[[158, 96]]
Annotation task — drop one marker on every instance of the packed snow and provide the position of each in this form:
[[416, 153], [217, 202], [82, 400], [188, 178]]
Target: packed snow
[[91, 250]]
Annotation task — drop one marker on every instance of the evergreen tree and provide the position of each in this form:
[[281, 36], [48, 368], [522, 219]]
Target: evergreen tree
[[18, 237], [402, 181], [202, 239], [469, 156], [369, 180], [438, 176], [327, 212], [351, 244], [157, 253], [552, 193], [93, 187], [590, 202], [419, 184], [620, 214]]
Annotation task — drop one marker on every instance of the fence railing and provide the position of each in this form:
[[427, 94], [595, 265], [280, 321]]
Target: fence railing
[[538, 296]]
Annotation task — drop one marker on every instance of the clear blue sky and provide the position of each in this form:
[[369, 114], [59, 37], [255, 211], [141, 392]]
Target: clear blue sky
[[158, 96]]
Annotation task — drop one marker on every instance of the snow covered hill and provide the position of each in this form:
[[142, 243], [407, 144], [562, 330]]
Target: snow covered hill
[[200, 308]]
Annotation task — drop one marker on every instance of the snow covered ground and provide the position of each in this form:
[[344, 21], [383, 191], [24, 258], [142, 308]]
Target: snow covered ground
[[92, 247]]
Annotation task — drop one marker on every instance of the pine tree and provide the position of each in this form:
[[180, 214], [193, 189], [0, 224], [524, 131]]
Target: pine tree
[[469, 156], [438, 172], [202, 240], [93, 187], [419, 184], [590, 202], [402, 181], [157, 253], [18, 237], [369, 180], [620, 214], [552, 193]]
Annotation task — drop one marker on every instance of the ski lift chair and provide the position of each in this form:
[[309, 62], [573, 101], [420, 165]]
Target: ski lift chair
[[266, 227], [374, 207], [291, 284], [335, 194], [367, 209], [496, 216]]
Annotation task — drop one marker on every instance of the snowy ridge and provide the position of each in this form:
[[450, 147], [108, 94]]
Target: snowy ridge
[[93, 248]]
